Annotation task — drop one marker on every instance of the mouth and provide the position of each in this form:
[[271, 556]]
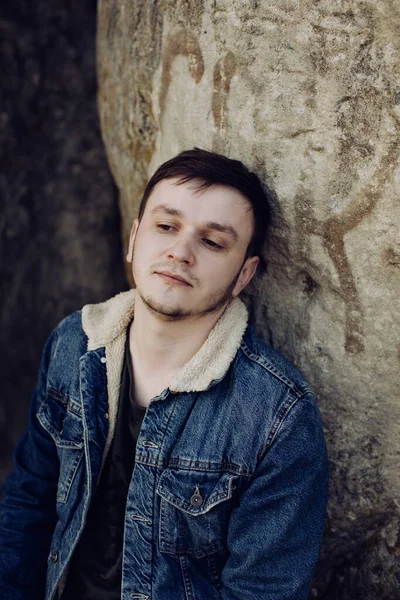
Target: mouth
[[172, 278]]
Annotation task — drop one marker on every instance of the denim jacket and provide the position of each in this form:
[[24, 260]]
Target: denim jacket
[[228, 494]]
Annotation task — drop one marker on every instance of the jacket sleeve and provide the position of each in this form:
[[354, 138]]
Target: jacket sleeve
[[275, 532], [28, 508]]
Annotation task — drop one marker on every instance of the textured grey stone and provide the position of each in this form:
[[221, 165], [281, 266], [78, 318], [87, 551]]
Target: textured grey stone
[[60, 228], [307, 94]]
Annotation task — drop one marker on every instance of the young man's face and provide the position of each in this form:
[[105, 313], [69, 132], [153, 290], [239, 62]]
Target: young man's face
[[188, 251]]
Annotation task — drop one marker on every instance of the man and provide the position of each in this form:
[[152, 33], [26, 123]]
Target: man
[[170, 454]]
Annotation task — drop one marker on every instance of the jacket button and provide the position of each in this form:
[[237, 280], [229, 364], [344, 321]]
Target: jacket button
[[103, 359], [197, 499], [54, 557]]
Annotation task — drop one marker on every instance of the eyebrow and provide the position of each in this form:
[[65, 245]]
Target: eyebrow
[[174, 212], [169, 210], [223, 229]]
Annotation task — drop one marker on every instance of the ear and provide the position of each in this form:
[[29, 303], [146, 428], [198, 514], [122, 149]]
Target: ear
[[129, 256], [246, 274]]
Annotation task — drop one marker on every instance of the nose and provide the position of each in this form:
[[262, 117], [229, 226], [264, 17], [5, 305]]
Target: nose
[[181, 250]]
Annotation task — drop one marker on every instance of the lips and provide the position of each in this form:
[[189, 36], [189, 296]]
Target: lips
[[173, 277]]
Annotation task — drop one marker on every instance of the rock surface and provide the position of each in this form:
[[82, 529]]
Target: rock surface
[[60, 244], [307, 94]]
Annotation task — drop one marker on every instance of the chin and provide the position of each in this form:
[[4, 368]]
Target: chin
[[167, 310]]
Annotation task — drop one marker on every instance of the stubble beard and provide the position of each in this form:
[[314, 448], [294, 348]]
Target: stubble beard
[[178, 313]]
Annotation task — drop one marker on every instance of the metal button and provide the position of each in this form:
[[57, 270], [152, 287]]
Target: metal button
[[197, 499], [106, 415], [54, 557], [103, 359]]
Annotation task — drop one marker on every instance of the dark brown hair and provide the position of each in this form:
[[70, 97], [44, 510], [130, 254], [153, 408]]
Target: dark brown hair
[[210, 169]]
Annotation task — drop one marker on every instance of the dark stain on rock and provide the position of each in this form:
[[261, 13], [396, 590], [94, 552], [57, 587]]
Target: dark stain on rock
[[300, 132], [181, 43], [224, 70], [333, 231], [308, 285], [333, 238], [392, 256]]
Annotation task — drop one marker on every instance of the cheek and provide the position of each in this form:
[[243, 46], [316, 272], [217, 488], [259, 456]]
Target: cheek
[[151, 243], [146, 252], [217, 274], [144, 246], [139, 257]]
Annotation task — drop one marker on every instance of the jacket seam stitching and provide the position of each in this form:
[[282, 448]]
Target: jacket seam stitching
[[187, 585], [270, 369], [72, 405], [207, 466], [165, 463], [58, 395], [278, 423]]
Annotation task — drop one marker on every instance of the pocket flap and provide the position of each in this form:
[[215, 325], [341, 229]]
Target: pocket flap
[[62, 423], [195, 492]]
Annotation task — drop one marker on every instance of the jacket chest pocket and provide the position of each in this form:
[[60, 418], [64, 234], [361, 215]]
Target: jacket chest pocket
[[195, 509], [62, 419]]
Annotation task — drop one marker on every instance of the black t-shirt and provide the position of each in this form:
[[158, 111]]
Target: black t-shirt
[[96, 565]]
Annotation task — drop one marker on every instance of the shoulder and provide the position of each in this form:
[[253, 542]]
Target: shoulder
[[95, 325], [70, 325], [280, 395], [266, 364], [64, 347], [68, 333]]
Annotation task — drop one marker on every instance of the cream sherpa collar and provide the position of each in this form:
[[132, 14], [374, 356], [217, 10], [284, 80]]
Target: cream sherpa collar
[[105, 322]]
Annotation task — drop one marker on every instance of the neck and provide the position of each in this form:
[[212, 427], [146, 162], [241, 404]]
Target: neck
[[163, 345]]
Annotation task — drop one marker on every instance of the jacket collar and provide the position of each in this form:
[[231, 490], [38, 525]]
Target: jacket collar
[[105, 322]]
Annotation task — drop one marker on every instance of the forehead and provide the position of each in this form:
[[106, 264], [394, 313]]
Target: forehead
[[217, 203]]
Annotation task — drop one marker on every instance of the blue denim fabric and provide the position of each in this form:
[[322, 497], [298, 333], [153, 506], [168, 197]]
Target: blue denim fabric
[[228, 494]]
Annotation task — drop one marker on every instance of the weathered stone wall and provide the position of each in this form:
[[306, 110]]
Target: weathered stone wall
[[308, 95], [60, 240]]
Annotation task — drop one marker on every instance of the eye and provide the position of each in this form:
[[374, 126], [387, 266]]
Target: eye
[[212, 244], [164, 226]]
